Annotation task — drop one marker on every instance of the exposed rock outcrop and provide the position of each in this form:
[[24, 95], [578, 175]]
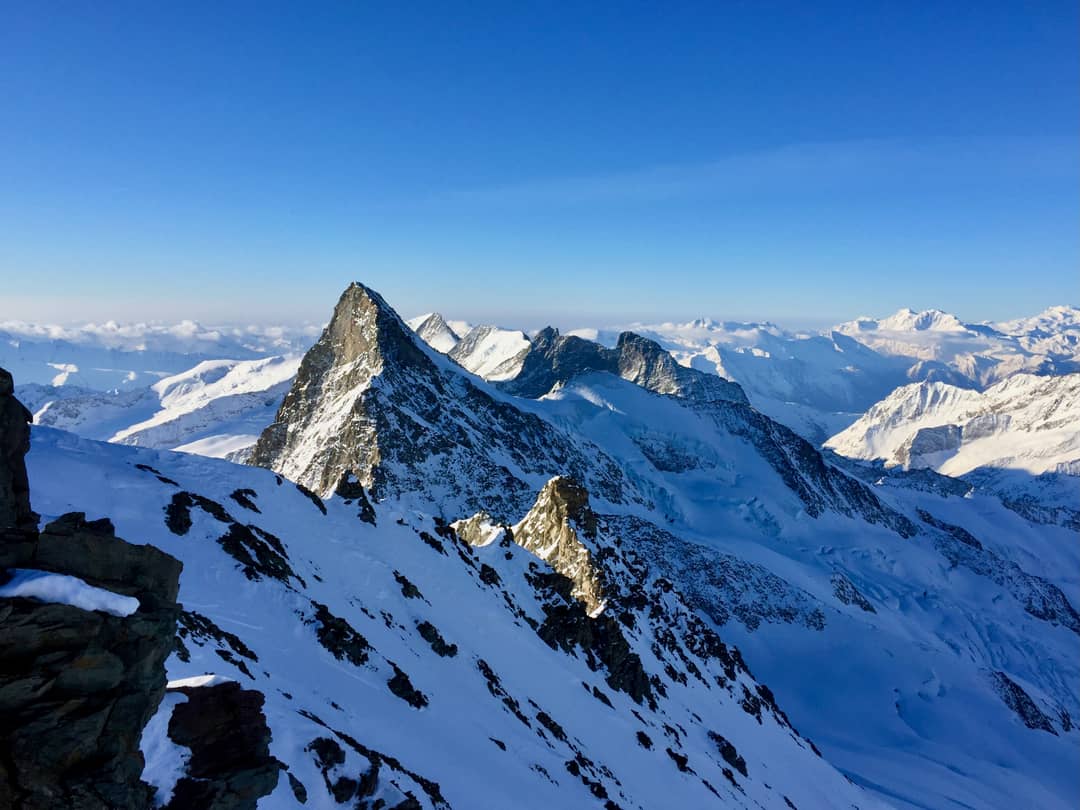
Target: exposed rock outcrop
[[551, 531], [15, 418], [78, 686], [230, 767], [555, 358]]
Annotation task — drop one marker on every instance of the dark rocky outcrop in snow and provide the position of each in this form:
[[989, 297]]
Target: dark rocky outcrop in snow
[[230, 767], [78, 686], [555, 358], [1021, 703], [15, 511]]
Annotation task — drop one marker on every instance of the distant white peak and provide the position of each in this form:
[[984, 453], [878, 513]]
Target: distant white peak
[[433, 329], [1061, 318], [908, 320]]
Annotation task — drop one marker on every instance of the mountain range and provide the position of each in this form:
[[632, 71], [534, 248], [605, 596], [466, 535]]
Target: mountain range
[[469, 567]]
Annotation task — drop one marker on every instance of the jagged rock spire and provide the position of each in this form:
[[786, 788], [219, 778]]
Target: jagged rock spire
[[553, 531]]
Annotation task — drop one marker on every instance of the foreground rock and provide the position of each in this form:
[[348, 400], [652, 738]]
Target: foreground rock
[[82, 665], [78, 686], [225, 729]]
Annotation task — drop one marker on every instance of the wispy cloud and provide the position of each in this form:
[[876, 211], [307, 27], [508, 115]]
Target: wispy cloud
[[805, 168]]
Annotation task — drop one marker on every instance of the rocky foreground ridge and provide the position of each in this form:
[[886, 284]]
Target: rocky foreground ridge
[[82, 663]]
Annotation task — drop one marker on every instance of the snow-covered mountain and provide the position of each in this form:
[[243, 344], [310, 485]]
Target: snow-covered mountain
[[1025, 422], [489, 351], [943, 348], [216, 408], [820, 578], [820, 383], [541, 591], [402, 667]]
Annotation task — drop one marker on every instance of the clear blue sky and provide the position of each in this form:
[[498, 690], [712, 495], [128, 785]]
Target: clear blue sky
[[539, 162]]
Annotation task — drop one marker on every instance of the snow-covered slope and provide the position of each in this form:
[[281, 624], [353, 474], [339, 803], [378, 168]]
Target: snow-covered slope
[[491, 352], [403, 668], [925, 639], [217, 408], [816, 384], [1026, 422]]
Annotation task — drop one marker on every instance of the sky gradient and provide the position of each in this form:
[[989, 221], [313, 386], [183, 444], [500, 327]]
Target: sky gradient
[[801, 162]]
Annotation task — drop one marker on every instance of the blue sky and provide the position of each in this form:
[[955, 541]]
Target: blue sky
[[527, 163]]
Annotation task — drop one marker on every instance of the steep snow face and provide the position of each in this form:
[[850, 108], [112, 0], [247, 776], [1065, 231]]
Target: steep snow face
[[401, 665], [491, 352], [373, 401], [1026, 422], [435, 331], [216, 408]]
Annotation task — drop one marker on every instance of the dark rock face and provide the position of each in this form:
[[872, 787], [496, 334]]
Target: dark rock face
[[721, 586], [371, 402], [1021, 703], [76, 686], [15, 511], [847, 593], [555, 358], [230, 766]]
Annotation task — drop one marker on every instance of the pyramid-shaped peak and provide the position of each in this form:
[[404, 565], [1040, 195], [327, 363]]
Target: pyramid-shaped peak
[[365, 327]]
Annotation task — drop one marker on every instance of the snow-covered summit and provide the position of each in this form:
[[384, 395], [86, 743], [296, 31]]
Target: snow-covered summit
[[1025, 422], [435, 331]]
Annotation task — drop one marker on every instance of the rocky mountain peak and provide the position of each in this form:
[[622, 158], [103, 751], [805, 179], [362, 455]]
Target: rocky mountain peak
[[320, 432], [364, 328], [557, 529], [646, 363], [555, 358], [370, 401]]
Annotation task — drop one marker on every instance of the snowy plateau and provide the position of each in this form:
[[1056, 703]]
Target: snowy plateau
[[706, 564]]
